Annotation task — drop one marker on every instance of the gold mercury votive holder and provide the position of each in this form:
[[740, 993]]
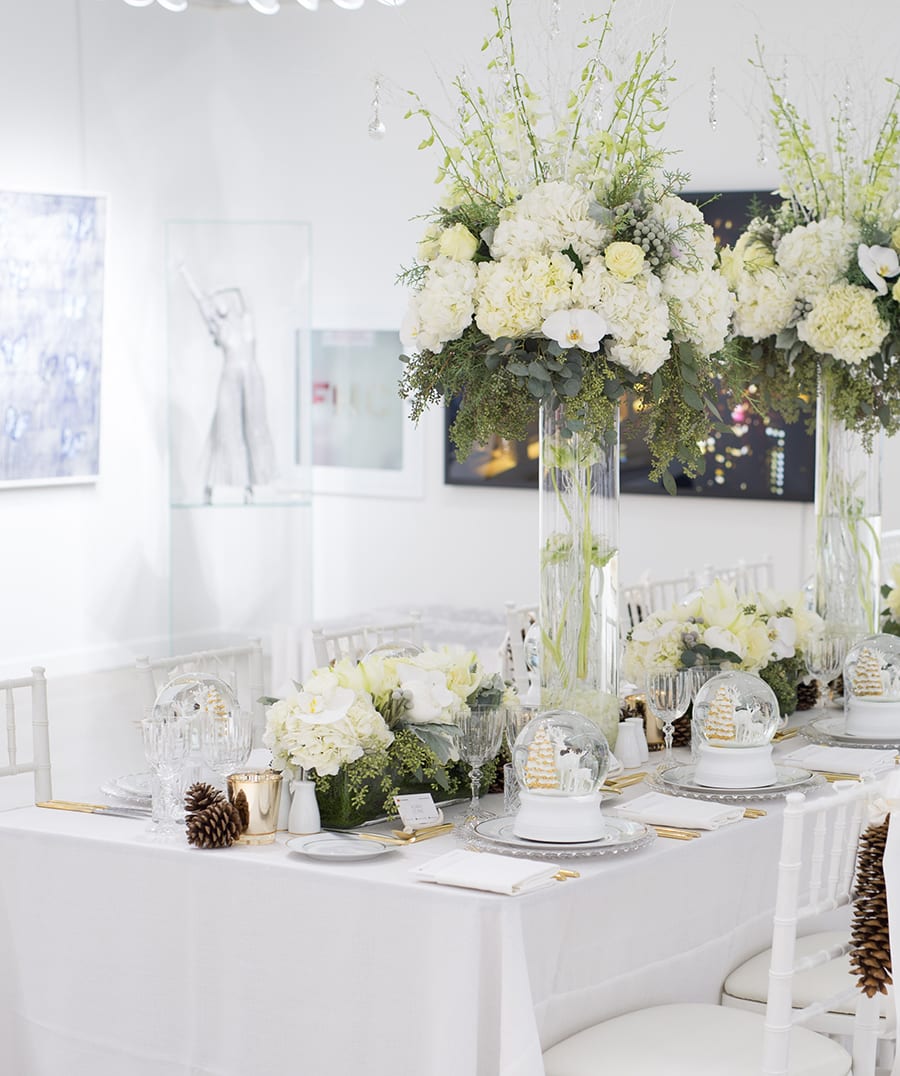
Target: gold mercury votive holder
[[260, 791]]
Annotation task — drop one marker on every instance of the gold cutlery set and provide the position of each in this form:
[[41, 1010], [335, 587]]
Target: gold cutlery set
[[616, 785]]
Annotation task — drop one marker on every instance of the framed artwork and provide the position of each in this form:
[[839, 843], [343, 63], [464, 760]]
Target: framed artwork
[[237, 323], [759, 457], [51, 336], [362, 441]]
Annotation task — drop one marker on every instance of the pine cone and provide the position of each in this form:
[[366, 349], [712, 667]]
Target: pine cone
[[681, 731], [215, 827], [870, 956], [200, 796], [807, 695]]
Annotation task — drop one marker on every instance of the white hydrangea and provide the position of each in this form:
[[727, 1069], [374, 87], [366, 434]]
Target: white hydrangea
[[546, 220], [844, 322], [442, 309], [814, 256], [635, 311], [696, 241], [515, 295], [701, 305], [765, 303]]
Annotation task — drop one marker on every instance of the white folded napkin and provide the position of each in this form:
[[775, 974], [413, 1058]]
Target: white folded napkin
[[656, 809], [855, 760], [483, 870]]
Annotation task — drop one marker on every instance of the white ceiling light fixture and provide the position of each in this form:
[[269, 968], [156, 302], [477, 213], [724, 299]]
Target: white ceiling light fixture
[[264, 7]]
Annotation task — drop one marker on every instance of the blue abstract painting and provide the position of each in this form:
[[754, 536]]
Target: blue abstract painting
[[51, 333]]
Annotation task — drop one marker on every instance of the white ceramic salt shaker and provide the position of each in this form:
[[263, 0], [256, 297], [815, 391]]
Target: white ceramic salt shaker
[[628, 750], [637, 723], [304, 816]]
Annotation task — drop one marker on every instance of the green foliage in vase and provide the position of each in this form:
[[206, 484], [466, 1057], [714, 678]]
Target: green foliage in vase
[[783, 676]]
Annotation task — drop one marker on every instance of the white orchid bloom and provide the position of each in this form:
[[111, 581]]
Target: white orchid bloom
[[879, 264], [723, 639], [430, 698], [325, 708], [576, 328], [782, 633]]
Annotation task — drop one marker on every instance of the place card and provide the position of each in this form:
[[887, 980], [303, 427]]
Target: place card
[[418, 811]]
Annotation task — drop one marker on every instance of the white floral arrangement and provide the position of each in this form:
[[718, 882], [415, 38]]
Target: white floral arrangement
[[716, 627], [890, 615], [561, 267], [343, 712], [817, 280]]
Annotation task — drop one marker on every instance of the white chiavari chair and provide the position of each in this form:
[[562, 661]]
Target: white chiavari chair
[[331, 645], [241, 667], [28, 693], [513, 661], [815, 874]]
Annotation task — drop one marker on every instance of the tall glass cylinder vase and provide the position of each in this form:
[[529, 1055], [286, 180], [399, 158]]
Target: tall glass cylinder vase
[[848, 523], [579, 536]]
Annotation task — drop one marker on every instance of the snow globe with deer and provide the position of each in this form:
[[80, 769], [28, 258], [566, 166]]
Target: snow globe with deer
[[872, 688], [561, 759], [735, 716]]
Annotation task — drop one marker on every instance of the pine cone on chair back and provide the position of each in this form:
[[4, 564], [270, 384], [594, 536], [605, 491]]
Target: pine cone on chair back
[[200, 796], [870, 956], [215, 827]]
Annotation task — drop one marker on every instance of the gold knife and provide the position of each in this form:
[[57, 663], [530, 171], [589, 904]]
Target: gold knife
[[96, 808]]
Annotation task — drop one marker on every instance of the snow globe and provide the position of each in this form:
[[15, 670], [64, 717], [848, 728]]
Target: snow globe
[[872, 688], [736, 715], [194, 694], [561, 759]]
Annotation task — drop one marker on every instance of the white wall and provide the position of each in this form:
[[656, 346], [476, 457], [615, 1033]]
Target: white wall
[[231, 115]]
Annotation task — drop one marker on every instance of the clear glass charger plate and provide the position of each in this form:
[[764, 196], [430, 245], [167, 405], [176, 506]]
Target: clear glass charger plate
[[133, 789], [829, 732], [338, 846], [496, 835], [678, 780]]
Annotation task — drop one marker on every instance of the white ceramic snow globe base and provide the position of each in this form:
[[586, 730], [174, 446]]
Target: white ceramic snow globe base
[[561, 759], [872, 688], [735, 715]]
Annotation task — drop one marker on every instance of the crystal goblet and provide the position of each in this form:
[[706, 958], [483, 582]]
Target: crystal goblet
[[480, 729], [668, 696], [225, 741], [167, 744], [824, 655]]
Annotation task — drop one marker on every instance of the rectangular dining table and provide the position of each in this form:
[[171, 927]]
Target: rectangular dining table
[[123, 956]]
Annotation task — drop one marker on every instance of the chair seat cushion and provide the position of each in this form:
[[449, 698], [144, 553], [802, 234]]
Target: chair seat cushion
[[688, 1040], [750, 981]]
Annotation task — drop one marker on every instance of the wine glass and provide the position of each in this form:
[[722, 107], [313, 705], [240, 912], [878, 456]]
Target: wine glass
[[225, 740], [668, 695], [167, 744], [825, 653], [478, 740]]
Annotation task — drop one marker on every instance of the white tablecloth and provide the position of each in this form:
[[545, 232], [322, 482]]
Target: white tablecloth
[[121, 957]]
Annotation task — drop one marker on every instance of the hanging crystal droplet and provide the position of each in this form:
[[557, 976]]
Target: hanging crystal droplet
[[555, 9], [762, 157], [376, 128], [713, 100]]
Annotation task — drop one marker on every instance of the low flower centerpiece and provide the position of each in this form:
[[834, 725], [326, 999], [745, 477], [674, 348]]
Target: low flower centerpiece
[[764, 633], [367, 732], [817, 286], [560, 273]]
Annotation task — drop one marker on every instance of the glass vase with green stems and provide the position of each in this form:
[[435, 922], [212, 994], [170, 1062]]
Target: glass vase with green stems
[[848, 520], [579, 541]]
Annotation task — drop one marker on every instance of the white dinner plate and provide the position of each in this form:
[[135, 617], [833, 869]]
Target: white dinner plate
[[832, 732], [620, 835], [680, 780], [132, 789], [339, 846]]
